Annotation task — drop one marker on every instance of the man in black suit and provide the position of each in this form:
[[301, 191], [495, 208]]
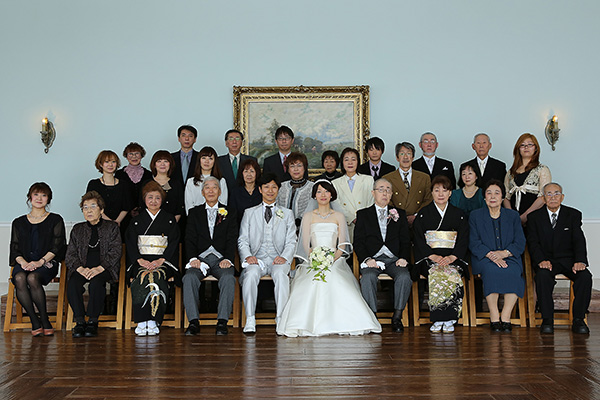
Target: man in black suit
[[284, 137], [429, 163], [186, 157], [489, 167], [382, 245], [230, 164], [557, 246], [375, 167], [211, 242]]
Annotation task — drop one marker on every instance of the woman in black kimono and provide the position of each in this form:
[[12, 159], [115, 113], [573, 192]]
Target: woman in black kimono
[[152, 240], [441, 242]]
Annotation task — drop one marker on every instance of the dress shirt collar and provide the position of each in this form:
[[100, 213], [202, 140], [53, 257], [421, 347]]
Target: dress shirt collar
[[265, 205], [377, 208], [232, 157], [215, 207], [483, 162], [152, 216], [402, 172], [378, 165], [281, 155], [555, 212]]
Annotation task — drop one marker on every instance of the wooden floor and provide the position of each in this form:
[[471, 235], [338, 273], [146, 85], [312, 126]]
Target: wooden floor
[[472, 363]]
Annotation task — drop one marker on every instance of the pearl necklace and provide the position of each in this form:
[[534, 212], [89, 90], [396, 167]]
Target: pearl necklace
[[326, 216]]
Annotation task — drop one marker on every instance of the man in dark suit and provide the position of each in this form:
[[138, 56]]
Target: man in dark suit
[[211, 241], [284, 137], [382, 245], [489, 167], [231, 163], [186, 157], [429, 163], [375, 166], [557, 246]]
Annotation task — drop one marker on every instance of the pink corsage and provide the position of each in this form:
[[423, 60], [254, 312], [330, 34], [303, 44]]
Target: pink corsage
[[393, 214]]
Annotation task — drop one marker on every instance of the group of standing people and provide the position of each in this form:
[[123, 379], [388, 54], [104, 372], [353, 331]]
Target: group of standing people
[[216, 206]]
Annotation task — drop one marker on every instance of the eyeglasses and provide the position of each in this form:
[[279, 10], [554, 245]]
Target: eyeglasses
[[383, 190], [296, 165], [90, 207], [553, 194], [284, 138], [234, 139], [402, 154], [526, 145], [428, 141]]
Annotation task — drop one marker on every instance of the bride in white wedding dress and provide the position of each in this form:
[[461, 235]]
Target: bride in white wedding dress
[[317, 308]]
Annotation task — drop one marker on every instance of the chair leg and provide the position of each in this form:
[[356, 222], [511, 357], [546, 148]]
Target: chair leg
[[62, 290], [10, 300], [415, 303], [465, 308], [178, 307], [70, 323], [128, 309], [236, 305]]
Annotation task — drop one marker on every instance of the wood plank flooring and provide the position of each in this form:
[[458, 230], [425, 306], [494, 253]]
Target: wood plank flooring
[[472, 363]]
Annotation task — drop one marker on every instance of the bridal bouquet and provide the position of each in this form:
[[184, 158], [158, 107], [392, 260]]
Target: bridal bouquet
[[321, 258]]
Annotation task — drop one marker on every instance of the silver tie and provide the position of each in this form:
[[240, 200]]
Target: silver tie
[[553, 221]]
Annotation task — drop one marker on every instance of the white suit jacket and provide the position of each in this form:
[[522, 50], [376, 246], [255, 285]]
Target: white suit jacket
[[360, 197], [252, 229]]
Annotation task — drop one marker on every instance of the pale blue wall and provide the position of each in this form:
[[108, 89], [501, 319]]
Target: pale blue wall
[[115, 71]]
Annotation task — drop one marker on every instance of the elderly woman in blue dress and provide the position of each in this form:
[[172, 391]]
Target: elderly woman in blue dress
[[497, 243]]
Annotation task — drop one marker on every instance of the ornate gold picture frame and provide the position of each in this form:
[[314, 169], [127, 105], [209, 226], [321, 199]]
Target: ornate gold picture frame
[[322, 118]]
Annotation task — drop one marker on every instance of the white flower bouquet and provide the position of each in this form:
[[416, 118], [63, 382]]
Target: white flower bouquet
[[321, 259]]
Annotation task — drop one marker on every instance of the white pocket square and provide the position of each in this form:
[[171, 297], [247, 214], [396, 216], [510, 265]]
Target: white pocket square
[[566, 229], [445, 169]]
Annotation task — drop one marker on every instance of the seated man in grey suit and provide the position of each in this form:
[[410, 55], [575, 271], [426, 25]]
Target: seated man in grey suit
[[211, 238], [382, 245], [266, 246], [230, 163]]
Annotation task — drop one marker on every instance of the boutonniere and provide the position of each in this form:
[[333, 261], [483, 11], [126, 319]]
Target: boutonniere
[[221, 215], [393, 214], [279, 213]]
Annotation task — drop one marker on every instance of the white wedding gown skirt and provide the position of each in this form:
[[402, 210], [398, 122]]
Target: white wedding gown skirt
[[317, 308]]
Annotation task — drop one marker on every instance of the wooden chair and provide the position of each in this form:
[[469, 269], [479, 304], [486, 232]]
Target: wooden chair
[[22, 321], [481, 318], [535, 318], [422, 317], [384, 317], [211, 318], [172, 320], [108, 321]]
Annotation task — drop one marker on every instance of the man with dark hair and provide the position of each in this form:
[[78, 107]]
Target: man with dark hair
[[266, 246], [375, 166], [284, 137], [429, 163], [230, 163], [557, 246], [489, 167], [186, 157]]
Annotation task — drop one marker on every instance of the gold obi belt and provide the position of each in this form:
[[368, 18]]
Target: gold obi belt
[[441, 239], [152, 244]]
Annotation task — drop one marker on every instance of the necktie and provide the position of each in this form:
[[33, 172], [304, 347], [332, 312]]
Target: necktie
[[553, 221], [234, 167], [185, 166], [212, 217], [351, 183], [284, 167], [406, 183], [268, 213], [382, 215], [481, 167], [375, 169]]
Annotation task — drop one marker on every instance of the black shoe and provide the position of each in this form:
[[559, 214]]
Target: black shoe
[[397, 326], [192, 329], [579, 326], [548, 326], [91, 330], [496, 326], [78, 331], [221, 328], [506, 326]]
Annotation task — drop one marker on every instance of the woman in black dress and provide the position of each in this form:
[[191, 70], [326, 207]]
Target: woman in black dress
[[94, 257], [441, 239], [526, 178], [162, 166], [330, 160], [134, 174], [37, 245], [246, 194], [152, 241]]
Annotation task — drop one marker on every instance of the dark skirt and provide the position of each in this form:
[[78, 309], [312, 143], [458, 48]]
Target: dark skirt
[[46, 274], [149, 293]]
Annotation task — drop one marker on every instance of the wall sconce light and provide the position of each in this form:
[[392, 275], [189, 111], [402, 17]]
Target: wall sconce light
[[552, 130], [48, 134]]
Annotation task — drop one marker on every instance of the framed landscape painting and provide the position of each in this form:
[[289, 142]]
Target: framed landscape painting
[[321, 117]]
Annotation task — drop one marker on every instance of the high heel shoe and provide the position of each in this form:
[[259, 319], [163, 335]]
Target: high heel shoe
[[37, 332], [49, 332]]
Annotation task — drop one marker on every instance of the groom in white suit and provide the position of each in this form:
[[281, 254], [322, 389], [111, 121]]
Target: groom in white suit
[[266, 246]]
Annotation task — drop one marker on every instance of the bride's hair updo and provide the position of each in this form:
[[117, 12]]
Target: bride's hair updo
[[325, 184]]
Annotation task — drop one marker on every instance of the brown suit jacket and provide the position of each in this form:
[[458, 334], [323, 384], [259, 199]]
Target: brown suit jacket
[[419, 195]]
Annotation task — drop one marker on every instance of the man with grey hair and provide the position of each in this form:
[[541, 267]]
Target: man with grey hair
[[210, 244], [382, 245], [429, 163], [489, 168], [557, 246]]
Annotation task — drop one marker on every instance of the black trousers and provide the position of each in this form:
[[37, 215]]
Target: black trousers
[[97, 291], [582, 287]]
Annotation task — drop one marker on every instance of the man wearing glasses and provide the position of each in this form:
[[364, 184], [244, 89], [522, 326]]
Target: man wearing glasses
[[557, 246], [230, 163], [284, 137], [429, 163]]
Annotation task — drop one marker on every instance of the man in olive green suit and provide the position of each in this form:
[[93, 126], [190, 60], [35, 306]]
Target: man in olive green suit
[[411, 189]]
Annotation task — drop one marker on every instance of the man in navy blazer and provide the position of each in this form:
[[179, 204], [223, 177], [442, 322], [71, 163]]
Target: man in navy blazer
[[557, 246], [382, 245], [186, 157], [233, 142], [488, 167], [430, 163], [375, 166], [284, 137]]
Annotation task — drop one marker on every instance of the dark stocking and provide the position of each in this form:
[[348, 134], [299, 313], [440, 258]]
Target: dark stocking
[[24, 297], [38, 295]]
